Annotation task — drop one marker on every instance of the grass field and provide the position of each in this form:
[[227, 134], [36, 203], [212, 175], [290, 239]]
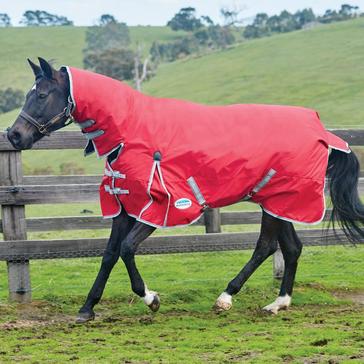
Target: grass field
[[62, 44], [323, 325]]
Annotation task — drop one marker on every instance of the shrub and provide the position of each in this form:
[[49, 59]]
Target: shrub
[[10, 99]]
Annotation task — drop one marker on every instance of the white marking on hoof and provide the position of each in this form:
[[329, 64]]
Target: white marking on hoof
[[223, 302], [149, 296], [281, 303]]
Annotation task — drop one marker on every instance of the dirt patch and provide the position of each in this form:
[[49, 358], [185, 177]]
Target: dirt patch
[[37, 313], [322, 342], [355, 297]]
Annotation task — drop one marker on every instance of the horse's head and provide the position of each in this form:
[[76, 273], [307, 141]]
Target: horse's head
[[47, 106]]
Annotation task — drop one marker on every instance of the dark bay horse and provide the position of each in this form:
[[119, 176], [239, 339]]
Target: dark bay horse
[[48, 107]]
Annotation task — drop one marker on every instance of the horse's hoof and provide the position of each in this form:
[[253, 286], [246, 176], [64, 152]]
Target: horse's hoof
[[223, 303], [281, 303], [270, 310], [84, 317], [154, 306], [221, 306]]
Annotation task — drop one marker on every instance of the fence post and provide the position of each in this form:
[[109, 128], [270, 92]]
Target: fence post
[[212, 220], [278, 264], [14, 227]]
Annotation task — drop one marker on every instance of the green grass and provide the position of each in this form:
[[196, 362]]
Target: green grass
[[318, 326]]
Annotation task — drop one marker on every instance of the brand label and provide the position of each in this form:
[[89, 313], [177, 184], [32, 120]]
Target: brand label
[[183, 203]]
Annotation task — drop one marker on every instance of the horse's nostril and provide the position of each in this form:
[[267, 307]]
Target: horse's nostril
[[16, 136]]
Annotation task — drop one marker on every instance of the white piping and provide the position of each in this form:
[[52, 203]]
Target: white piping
[[301, 222], [148, 190], [164, 227], [165, 188], [347, 151], [73, 109], [71, 87]]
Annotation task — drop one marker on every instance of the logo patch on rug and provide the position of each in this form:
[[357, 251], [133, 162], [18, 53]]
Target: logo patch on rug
[[183, 203]]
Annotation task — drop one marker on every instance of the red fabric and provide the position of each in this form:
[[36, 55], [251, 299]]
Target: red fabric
[[226, 149]]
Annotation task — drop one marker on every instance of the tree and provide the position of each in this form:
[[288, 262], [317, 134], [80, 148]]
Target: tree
[[231, 15], [117, 63], [186, 20], [220, 36], [107, 36], [329, 16], [261, 20], [348, 11], [10, 99], [206, 20], [5, 20], [106, 19], [305, 16], [142, 69], [43, 18], [259, 28], [287, 22], [107, 52]]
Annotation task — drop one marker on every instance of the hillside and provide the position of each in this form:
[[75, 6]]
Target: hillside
[[63, 44], [322, 68]]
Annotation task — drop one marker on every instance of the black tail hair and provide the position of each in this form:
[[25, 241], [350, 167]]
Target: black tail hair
[[343, 174]]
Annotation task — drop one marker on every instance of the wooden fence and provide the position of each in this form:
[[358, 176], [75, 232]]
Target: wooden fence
[[17, 190]]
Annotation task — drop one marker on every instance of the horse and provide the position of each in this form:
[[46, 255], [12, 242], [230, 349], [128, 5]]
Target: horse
[[50, 105]]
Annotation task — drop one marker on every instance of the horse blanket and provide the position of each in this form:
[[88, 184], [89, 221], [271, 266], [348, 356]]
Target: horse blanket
[[169, 159]]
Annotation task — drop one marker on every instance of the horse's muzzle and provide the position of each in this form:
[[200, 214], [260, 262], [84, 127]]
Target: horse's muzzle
[[17, 140]]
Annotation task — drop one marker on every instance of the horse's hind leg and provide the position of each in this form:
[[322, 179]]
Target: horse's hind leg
[[266, 246], [291, 249]]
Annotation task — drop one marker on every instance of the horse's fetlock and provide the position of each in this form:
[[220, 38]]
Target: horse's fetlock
[[138, 289]]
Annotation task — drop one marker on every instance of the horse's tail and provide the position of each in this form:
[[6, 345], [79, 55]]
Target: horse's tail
[[343, 174]]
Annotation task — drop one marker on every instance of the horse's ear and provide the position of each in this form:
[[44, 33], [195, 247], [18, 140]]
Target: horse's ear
[[36, 69], [47, 69]]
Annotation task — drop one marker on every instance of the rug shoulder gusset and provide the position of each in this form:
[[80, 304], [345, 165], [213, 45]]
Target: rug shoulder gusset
[[337, 143]]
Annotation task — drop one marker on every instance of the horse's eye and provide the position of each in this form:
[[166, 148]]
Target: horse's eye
[[43, 95]]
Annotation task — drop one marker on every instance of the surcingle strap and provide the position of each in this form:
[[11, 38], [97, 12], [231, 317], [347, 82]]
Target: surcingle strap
[[261, 184], [196, 191]]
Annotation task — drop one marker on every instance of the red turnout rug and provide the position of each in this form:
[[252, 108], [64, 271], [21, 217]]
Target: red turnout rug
[[174, 158]]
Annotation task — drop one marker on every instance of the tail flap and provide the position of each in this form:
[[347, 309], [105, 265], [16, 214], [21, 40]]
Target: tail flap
[[337, 143]]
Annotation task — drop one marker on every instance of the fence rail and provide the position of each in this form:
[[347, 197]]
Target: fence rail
[[17, 190], [19, 250]]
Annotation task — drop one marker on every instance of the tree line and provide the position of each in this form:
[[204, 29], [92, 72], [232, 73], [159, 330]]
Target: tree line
[[201, 34], [36, 18], [264, 25]]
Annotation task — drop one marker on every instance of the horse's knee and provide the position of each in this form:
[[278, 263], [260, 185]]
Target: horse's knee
[[109, 258], [265, 249], [126, 252], [292, 254]]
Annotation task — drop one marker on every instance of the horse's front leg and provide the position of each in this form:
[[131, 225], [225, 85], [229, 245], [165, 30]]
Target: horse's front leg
[[129, 245], [121, 226]]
